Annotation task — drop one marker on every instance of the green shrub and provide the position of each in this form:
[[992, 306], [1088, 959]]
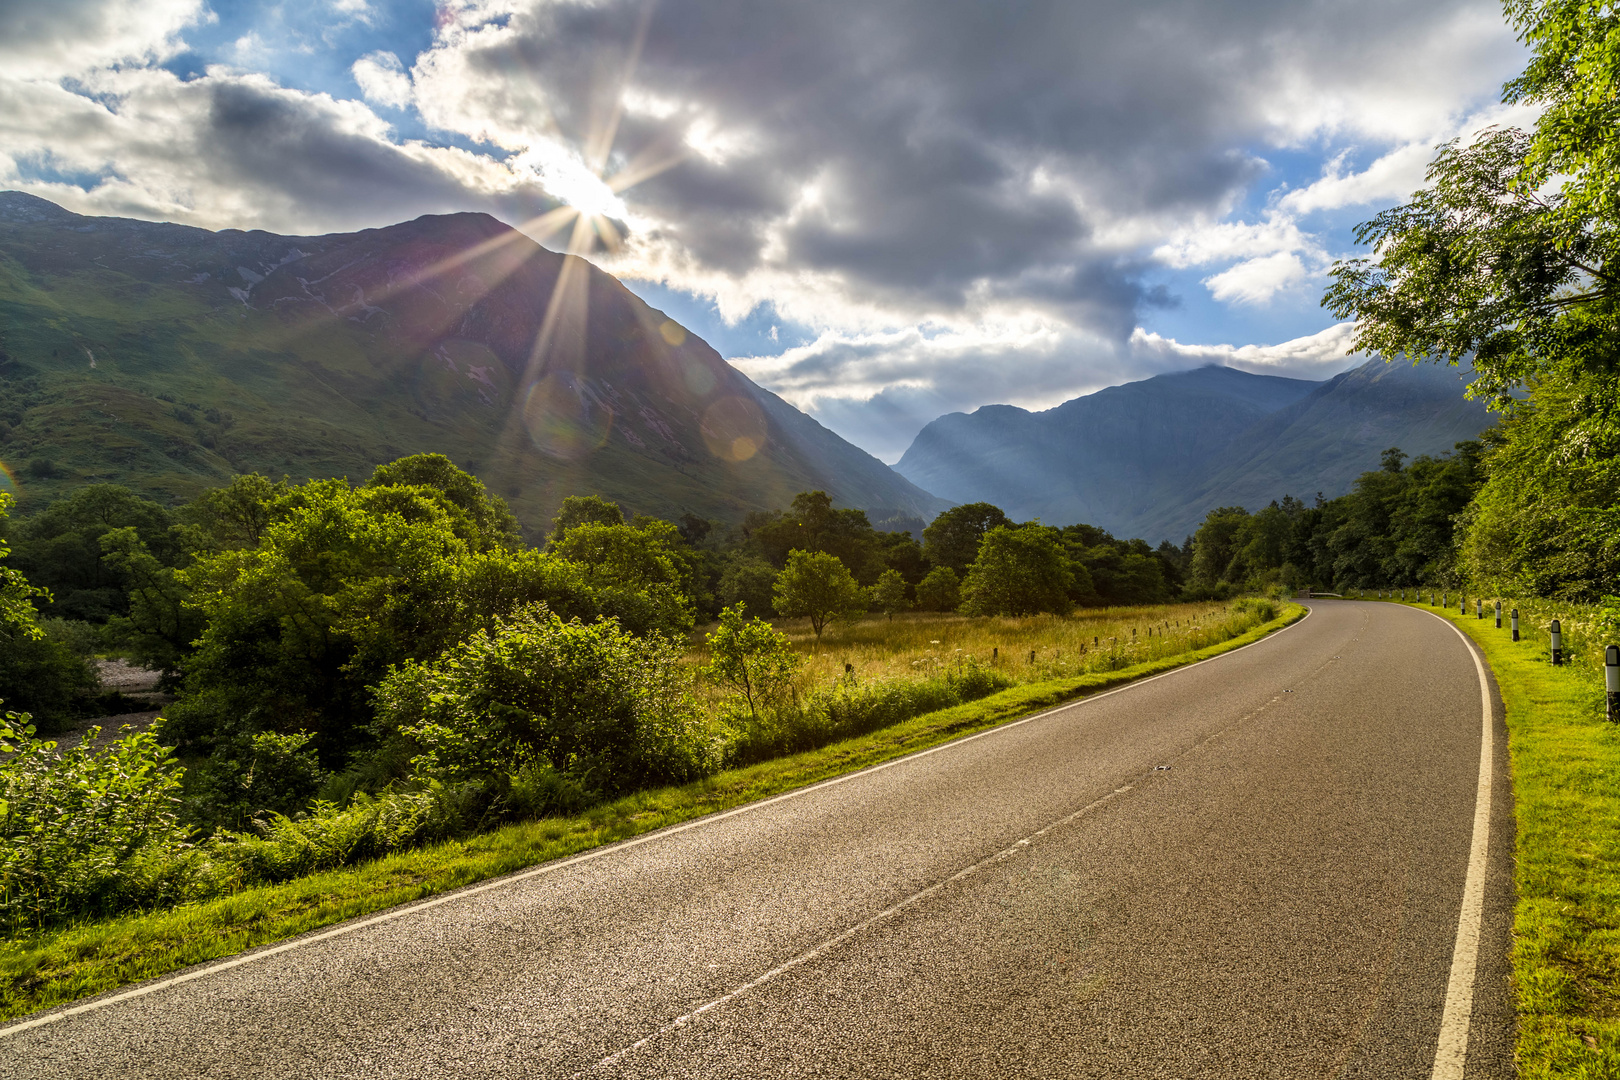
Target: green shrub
[[591, 701], [88, 831]]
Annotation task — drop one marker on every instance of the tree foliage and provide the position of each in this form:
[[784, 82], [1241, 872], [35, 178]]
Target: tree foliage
[[752, 658], [952, 538], [587, 700], [818, 586], [1505, 261], [1020, 570]]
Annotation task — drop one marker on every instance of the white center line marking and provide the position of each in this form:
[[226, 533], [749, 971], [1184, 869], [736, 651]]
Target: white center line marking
[[838, 939], [1452, 1050]]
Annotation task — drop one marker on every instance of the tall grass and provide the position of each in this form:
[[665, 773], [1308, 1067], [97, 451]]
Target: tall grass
[[921, 646], [867, 675]]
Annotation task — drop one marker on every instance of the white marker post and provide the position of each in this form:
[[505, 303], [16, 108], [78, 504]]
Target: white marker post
[[1515, 624], [1499, 614], [1611, 677], [1479, 608], [1557, 644]]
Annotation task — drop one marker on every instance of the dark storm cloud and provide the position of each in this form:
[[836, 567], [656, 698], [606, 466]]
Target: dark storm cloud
[[932, 154]]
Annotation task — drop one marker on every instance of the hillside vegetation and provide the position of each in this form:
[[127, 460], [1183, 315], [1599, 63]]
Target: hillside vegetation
[[169, 359]]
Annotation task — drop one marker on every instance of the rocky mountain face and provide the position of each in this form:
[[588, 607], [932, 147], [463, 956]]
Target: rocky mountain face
[[169, 358], [1151, 458]]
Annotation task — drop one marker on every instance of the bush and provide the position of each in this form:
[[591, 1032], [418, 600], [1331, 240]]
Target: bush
[[90, 831], [596, 704]]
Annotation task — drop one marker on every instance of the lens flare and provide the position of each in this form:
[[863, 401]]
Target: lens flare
[[733, 428], [673, 333], [564, 419]]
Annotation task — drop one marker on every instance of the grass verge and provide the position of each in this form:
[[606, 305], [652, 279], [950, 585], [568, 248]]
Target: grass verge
[[1566, 790], [78, 961]]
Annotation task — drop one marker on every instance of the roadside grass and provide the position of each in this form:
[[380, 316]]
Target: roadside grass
[[1566, 788], [78, 961]]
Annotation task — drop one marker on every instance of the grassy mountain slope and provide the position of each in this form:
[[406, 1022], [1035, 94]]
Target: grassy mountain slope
[[169, 358]]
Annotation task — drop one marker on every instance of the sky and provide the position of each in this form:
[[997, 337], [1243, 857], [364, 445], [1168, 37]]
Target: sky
[[883, 210]]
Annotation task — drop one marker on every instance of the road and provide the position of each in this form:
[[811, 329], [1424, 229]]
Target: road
[[1253, 867]]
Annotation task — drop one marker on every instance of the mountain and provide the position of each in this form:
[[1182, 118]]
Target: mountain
[[169, 358], [1099, 458], [1328, 438], [1151, 458]]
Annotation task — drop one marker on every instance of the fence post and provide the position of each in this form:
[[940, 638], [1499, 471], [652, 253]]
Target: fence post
[[1032, 656], [1611, 679], [1557, 644], [1515, 618], [1499, 614]]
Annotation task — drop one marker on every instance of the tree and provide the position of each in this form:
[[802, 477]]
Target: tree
[[750, 657], [1020, 570], [478, 517], [940, 590], [1506, 261], [812, 523], [583, 509], [1216, 549], [952, 538], [18, 619], [747, 579], [589, 701], [889, 594], [819, 586]]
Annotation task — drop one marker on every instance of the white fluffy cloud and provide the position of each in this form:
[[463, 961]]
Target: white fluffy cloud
[[382, 79]]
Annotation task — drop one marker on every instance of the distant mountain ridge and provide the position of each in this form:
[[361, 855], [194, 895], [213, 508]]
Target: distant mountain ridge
[[169, 358], [1151, 458]]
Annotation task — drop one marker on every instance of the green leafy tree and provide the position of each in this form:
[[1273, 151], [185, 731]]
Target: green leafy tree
[[1217, 549], [59, 548], [1505, 260], [236, 516], [952, 538], [747, 579], [889, 594], [813, 524], [818, 586], [752, 658], [939, 590], [161, 624], [479, 518], [583, 510], [38, 672], [1020, 570], [18, 617]]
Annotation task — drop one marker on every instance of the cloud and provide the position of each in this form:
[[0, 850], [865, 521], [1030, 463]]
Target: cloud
[[864, 166], [1256, 281], [382, 79], [1314, 356], [70, 37]]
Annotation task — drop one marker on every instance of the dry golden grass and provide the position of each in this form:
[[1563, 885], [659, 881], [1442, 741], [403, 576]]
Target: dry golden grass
[[919, 644]]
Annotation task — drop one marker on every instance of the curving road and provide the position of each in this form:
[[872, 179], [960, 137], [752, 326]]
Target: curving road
[[1254, 867]]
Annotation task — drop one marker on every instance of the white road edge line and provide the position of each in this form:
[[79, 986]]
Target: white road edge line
[[601, 852], [1451, 1052]]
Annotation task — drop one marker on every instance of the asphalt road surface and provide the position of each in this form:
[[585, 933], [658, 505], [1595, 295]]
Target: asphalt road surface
[[1253, 867]]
